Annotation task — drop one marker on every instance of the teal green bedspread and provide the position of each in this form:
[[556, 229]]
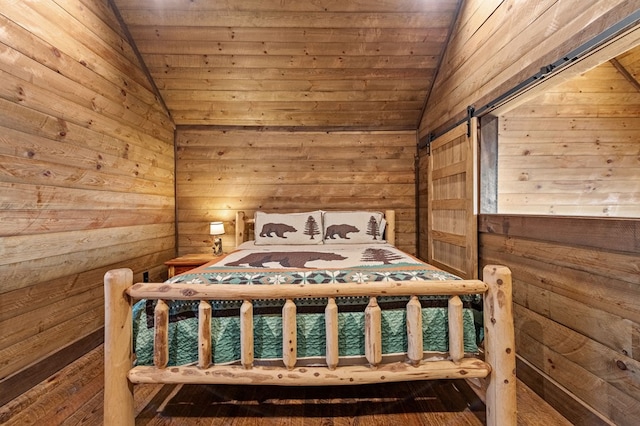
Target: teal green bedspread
[[225, 324]]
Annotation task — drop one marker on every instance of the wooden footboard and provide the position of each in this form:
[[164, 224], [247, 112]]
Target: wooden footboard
[[498, 367]]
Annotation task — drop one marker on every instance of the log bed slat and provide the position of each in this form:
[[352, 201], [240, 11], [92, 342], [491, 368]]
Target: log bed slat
[[204, 334], [331, 332], [161, 334], [246, 334], [289, 335], [373, 332], [414, 331], [456, 333]]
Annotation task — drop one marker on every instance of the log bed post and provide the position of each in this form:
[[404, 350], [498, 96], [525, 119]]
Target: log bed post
[[390, 217], [499, 347], [118, 390], [240, 225]]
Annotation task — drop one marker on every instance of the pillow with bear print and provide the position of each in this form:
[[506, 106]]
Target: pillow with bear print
[[353, 227], [288, 228]]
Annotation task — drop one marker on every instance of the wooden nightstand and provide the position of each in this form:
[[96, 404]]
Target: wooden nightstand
[[187, 262]]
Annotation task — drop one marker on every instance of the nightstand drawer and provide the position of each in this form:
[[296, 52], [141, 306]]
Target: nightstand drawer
[[186, 263]]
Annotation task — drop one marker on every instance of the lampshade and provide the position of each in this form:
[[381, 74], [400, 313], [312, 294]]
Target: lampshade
[[216, 228]]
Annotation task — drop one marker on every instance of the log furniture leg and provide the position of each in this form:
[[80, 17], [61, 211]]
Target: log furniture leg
[[499, 347], [118, 390]]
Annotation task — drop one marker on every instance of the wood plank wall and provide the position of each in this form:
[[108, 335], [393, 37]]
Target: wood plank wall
[[573, 150], [562, 329], [86, 177], [497, 44], [220, 171], [577, 304]]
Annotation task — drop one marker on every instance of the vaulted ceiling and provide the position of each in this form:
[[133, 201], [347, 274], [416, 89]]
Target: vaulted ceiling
[[336, 64]]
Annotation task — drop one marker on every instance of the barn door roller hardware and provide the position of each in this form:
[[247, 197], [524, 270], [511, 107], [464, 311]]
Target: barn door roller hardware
[[426, 141], [545, 71], [571, 57]]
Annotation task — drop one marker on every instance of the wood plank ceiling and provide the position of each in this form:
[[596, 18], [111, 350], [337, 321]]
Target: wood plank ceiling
[[339, 64]]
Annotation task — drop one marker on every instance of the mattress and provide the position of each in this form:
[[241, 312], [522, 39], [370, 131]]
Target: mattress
[[253, 264]]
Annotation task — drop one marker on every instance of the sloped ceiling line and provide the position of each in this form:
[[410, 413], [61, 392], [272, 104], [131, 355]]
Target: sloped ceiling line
[[361, 65]]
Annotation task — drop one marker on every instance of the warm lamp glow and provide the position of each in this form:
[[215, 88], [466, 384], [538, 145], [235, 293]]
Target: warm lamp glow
[[216, 228]]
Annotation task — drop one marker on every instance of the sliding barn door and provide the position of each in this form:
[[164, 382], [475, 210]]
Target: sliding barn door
[[451, 209]]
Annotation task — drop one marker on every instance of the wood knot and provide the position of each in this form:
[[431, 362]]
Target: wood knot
[[621, 365], [188, 292], [508, 350]]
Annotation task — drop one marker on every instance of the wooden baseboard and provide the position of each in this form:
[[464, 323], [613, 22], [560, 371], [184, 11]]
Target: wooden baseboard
[[22, 381], [559, 398]]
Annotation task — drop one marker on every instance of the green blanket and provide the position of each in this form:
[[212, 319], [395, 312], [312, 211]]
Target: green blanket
[[225, 325]]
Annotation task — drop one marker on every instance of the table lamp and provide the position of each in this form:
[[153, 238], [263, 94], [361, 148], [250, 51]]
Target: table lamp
[[216, 229]]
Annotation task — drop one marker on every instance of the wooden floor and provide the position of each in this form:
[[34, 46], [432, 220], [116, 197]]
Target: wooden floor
[[74, 397]]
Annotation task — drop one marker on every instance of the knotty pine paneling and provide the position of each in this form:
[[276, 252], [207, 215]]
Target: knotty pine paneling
[[565, 293], [573, 150], [367, 64], [221, 171], [576, 293], [86, 174], [497, 44]]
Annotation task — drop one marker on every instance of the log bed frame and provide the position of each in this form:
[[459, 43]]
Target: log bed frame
[[498, 366]]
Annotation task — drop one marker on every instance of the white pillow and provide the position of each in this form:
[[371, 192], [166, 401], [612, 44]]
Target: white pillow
[[351, 227], [288, 228]]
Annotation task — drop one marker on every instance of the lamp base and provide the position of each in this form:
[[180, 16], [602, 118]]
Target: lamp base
[[217, 246]]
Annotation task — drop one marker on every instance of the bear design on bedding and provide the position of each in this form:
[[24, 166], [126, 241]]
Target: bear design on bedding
[[285, 259], [278, 228], [341, 230]]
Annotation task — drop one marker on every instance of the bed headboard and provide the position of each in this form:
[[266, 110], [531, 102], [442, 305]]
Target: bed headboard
[[244, 227]]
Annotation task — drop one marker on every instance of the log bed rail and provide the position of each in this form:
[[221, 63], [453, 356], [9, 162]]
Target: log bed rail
[[498, 366]]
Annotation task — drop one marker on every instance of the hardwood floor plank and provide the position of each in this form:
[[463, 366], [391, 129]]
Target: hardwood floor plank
[[74, 396]]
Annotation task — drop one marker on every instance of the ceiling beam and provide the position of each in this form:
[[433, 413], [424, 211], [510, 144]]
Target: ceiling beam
[[626, 74]]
